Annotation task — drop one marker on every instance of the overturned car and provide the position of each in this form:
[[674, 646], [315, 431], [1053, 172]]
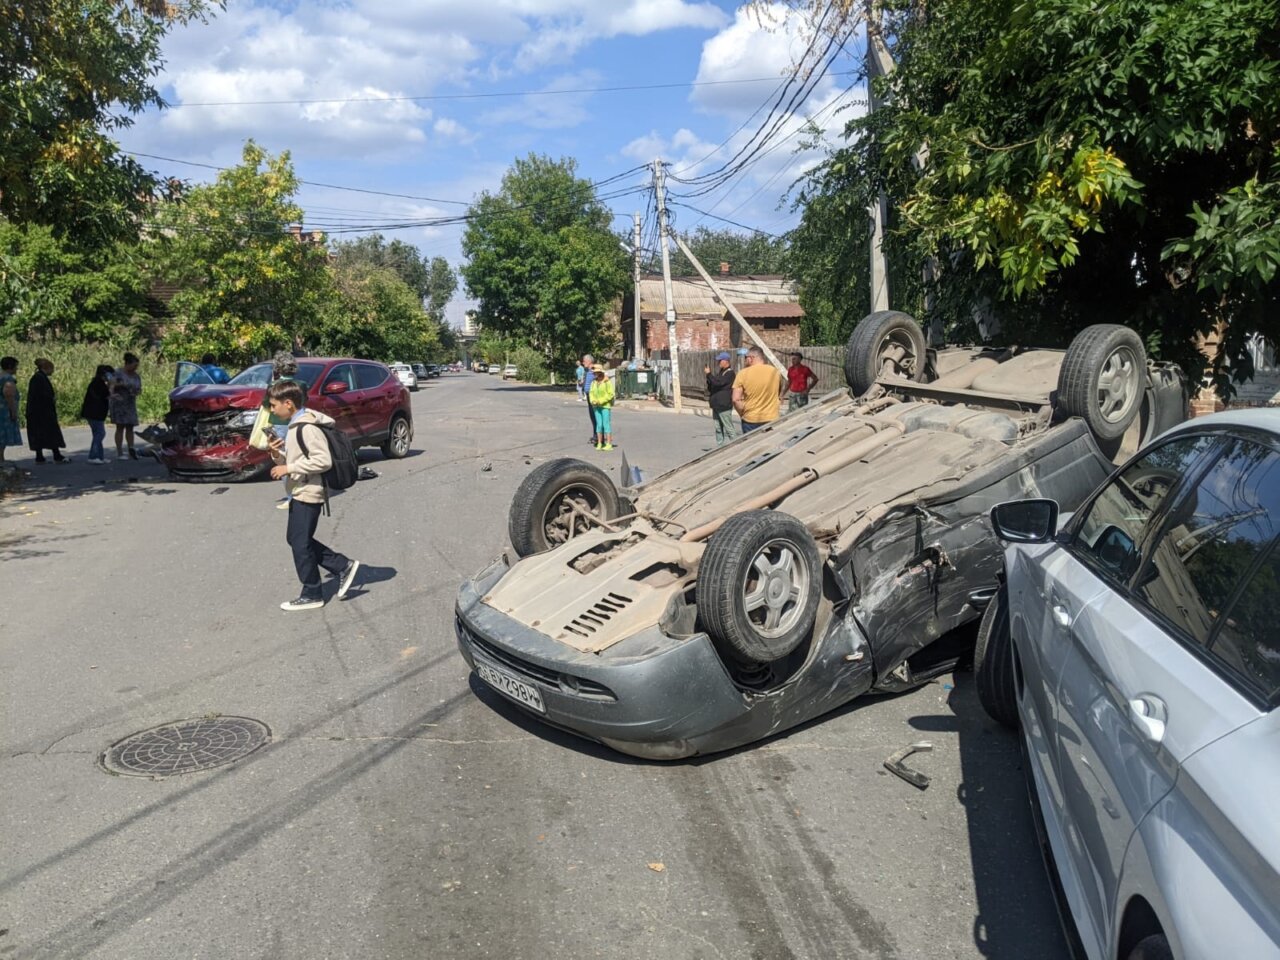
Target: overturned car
[[841, 549]]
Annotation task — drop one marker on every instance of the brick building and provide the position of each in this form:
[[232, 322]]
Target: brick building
[[769, 303]]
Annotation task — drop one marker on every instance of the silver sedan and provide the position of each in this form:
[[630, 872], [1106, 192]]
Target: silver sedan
[[1138, 651]]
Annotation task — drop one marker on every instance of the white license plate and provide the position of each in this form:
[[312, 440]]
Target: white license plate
[[517, 690]]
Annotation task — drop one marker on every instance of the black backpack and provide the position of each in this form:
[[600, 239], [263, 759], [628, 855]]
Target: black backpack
[[346, 467]]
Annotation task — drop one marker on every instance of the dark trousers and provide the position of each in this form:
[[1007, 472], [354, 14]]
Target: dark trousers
[[748, 426], [309, 554], [591, 415]]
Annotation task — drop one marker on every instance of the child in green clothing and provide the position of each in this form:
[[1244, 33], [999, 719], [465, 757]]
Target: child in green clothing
[[600, 397]]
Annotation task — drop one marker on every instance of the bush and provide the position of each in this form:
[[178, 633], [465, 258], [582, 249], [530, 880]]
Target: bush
[[530, 364], [73, 368]]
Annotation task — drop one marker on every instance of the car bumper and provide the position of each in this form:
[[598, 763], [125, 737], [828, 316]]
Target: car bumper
[[651, 696], [224, 461]]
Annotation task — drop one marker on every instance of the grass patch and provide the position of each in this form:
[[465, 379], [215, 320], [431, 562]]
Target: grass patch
[[73, 368]]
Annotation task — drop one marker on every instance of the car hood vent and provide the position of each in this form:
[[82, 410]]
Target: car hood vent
[[596, 616]]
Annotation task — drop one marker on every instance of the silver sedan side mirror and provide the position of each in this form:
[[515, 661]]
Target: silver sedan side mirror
[[1025, 521]]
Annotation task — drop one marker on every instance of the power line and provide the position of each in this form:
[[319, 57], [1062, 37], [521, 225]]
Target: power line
[[470, 96], [734, 223]]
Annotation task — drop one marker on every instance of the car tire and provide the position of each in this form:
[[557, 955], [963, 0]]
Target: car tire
[[874, 341], [1154, 947], [541, 515], [760, 567], [1103, 379], [399, 434], [993, 663]]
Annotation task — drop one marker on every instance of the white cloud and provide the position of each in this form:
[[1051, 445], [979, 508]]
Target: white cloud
[[449, 129], [556, 112]]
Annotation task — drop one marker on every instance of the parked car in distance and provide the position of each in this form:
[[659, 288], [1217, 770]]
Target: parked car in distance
[[509, 372], [1138, 652], [421, 370], [404, 373], [495, 368], [480, 367], [205, 436]]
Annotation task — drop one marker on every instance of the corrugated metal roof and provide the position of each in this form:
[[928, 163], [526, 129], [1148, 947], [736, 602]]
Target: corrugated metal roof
[[772, 311], [693, 299]]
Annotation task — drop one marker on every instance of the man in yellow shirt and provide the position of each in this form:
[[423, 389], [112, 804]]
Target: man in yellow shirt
[[757, 390]]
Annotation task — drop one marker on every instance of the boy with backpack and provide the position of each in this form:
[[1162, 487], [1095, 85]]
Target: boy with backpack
[[315, 456]]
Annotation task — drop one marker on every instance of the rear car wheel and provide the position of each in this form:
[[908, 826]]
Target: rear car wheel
[[759, 585], [993, 663], [558, 500], [1103, 379], [396, 446], [887, 343]]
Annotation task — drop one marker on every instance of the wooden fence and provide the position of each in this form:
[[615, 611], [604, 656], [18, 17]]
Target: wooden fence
[[826, 362]]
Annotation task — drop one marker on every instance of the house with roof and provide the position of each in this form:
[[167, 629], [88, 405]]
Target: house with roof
[[768, 302]]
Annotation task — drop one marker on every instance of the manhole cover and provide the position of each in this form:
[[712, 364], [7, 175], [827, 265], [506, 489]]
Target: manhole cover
[[185, 747]]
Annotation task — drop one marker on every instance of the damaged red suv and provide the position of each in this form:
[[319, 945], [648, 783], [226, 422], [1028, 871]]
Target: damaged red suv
[[206, 433]]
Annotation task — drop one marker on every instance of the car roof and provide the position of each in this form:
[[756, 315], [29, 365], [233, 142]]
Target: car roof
[[1256, 418]]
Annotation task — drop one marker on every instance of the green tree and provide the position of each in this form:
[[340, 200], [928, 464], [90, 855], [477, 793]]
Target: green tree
[[71, 73], [247, 286], [441, 285], [403, 258], [542, 260], [376, 315], [745, 253], [1085, 163], [52, 289]]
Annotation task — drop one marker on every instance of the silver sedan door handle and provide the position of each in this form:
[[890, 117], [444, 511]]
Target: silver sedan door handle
[[1061, 615], [1149, 715]]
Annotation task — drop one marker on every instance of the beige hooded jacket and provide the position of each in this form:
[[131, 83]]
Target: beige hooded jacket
[[305, 482]]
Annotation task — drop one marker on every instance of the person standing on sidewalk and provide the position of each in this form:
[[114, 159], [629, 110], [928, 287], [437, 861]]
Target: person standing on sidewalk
[[601, 398], [800, 380], [97, 401], [305, 473], [720, 396], [757, 391], [42, 414], [10, 401], [588, 366], [580, 378]]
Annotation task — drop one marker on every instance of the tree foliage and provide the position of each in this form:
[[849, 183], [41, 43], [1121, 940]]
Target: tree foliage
[[52, 289], [246, 286], [542, 260], [745, 253], [71, 73], [1083, 163], [376, 315]]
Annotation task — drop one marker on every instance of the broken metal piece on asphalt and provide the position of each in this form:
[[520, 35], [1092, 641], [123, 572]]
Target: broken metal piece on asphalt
[[367, 473], [899, 769]]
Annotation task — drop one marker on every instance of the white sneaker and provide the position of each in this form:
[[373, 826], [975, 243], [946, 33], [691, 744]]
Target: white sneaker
[[302, 603], [348, 578], [95, 460]]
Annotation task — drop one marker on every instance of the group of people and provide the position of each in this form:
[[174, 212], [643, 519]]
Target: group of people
[[755, 392], [111, 394]]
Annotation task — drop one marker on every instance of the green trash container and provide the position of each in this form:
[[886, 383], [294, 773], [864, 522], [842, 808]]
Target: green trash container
[[624, 383], [645, 383]]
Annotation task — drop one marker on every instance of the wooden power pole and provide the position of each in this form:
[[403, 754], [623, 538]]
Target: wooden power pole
[[637, 345]]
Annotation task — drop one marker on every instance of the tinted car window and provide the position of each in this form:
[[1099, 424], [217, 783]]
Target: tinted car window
[[1248, 641], [1111, 533], [1213, 537], [342, 373], [367, 375]]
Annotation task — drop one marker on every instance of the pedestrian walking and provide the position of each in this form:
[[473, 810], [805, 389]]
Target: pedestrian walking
[[94, 409], [305, 474], [588, 365], [10, 401], [209, 364], [126, 387], [757, 391], [601, 399], [720, 395], [800, 380], [43, 431]]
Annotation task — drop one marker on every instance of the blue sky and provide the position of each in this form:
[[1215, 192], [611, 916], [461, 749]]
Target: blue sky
[[368, 53]]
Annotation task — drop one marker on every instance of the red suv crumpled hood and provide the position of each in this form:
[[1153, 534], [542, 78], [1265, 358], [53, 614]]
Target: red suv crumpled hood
[[204, 397]]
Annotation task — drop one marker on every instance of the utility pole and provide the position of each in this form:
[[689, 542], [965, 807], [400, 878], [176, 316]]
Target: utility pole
[[637, 346], [879, 64], [673, 349]]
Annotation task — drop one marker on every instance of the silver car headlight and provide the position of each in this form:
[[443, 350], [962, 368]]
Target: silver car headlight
[[244, 419]]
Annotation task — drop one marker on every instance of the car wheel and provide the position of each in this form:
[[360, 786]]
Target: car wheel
[[556, 501], [759, 585], [1103, 379], [993, 663], [396, 446], [1154, 947], [887, 343]]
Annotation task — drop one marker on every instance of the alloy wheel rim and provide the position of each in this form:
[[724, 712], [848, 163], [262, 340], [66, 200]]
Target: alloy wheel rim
[[1118, 385], [774, 588]]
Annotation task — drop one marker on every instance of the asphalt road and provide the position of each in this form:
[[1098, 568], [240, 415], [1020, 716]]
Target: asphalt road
[[401, 810]]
